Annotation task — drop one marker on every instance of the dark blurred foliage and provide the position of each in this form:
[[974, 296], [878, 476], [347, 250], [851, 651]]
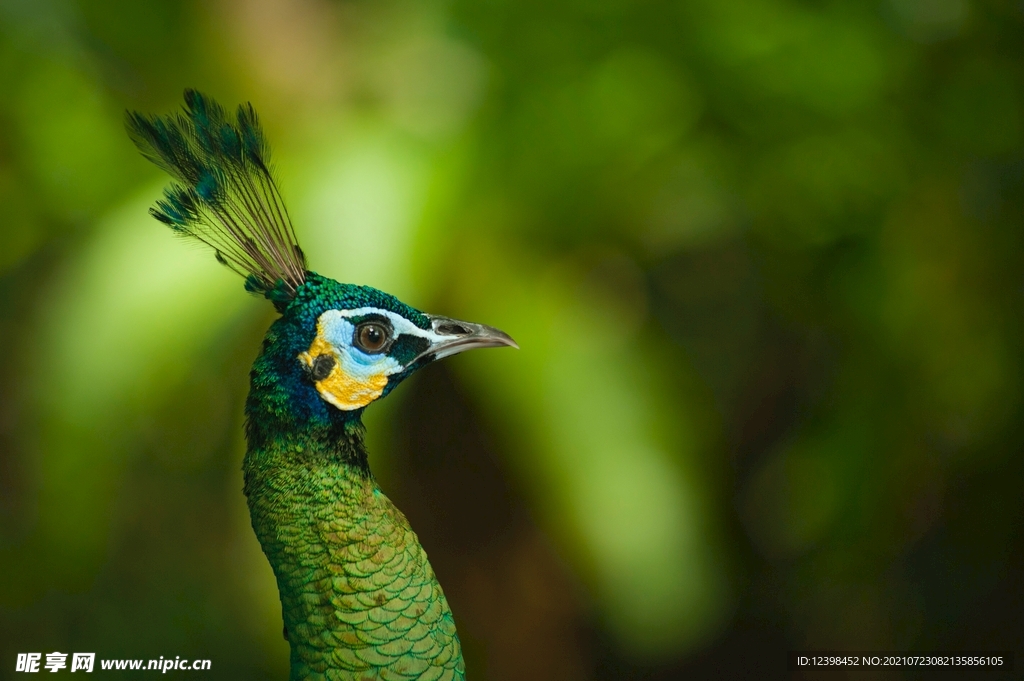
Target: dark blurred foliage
[[763, 258]]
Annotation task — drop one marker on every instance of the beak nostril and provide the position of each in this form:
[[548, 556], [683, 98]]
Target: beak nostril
[[452, 337], [452, 329]]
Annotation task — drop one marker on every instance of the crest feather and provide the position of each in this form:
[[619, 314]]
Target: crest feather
[[223, 192]]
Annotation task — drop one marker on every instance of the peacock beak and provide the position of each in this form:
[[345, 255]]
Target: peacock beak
[[452, 336]]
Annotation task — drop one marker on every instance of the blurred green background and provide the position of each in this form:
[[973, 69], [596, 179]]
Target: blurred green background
[[763, 257]]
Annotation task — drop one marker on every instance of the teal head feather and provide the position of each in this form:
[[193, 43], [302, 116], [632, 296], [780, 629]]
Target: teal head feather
[[359, 599]]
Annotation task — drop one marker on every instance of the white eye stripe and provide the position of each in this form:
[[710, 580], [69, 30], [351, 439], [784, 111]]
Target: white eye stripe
[[400, 324]]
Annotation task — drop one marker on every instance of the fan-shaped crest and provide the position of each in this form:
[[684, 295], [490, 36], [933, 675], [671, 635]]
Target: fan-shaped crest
[[224, 192]]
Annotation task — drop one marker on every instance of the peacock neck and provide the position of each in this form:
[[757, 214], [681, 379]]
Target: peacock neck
[[297, 479], [338, 447], [297, 485]]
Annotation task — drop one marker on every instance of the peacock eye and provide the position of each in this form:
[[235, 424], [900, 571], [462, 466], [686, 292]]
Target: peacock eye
[[371, 337]]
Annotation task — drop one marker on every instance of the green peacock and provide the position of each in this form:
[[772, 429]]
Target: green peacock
[[358, 596]]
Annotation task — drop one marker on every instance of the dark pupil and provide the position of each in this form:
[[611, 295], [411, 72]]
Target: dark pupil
[[371, 337]]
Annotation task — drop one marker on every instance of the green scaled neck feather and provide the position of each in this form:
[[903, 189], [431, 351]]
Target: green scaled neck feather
[[358, 596]]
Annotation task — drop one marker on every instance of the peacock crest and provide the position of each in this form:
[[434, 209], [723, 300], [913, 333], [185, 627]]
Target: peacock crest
[[224, 193]]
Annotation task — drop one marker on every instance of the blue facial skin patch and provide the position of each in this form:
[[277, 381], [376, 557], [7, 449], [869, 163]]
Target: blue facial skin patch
[[357, 377]]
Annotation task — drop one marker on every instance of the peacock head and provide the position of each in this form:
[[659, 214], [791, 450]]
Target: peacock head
[[337, 347], [363, 342]]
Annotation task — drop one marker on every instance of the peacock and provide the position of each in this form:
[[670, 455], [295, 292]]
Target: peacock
[[358, 596]]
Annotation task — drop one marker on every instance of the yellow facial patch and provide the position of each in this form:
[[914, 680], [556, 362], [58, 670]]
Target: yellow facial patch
[[349, 385]]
